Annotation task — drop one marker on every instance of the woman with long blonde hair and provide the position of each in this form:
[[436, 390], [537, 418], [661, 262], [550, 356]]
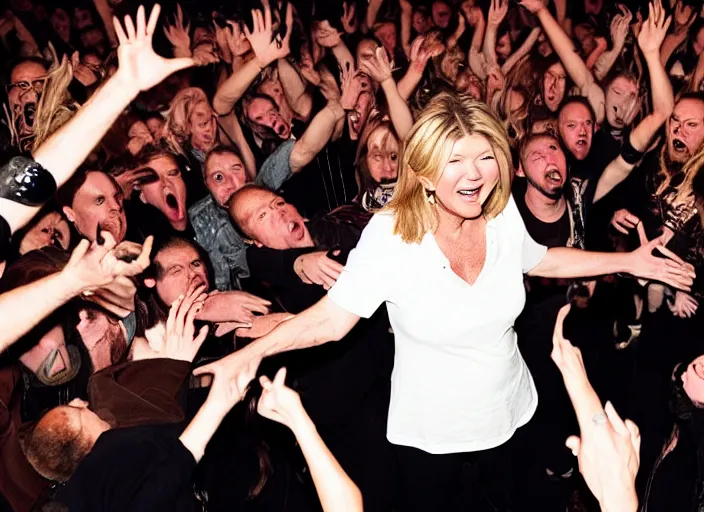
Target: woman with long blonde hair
[[447, 258]]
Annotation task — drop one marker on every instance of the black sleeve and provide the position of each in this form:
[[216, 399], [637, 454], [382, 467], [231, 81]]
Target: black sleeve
[[274, 266]]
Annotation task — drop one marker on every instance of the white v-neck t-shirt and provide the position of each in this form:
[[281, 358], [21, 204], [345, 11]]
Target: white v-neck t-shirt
[[459, 382]]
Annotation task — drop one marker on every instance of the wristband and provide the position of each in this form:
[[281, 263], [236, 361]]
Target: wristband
[[26, 182], [630, 154]]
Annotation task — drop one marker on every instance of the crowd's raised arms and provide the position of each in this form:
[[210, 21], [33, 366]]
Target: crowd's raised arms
[[293, 255]]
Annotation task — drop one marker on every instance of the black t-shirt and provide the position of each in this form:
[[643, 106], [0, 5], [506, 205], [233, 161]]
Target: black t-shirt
[[136, 469], [550, 234]]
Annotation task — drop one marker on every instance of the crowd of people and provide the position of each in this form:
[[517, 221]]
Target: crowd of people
[[292, 255]]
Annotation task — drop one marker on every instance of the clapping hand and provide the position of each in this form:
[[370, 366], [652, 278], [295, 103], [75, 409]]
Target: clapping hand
[[266, 49], [654, 29], [139, 66], [609, 448], [669, 269]]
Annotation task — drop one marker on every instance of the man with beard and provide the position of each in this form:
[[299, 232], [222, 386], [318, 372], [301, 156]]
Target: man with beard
[[26, 84]]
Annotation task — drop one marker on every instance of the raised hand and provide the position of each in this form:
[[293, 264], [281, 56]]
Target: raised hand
[[609, 448], [232, 375], [266, 50], [96, 265], [131, 179], [237, 42], [180, 341], [620, 24], [654, 29], [497, 12], [205, 54], [178, 34], [316, 267], [378, 67], [350, 85], [419, 54], [669, 269], [279, 402], [139, 66], [349, 17], [328, 86], [533, 6]]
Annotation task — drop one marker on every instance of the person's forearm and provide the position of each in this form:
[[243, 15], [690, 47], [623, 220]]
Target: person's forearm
[[695, 85], [316, 136], [477, 63], [294, 89], [623, 500], [105, 13], [410, 81], [406, 25], [400, 114], [234, 130], [522, 51], [662, 96], [319, 324], [337, 492], [200, 430], [606, 61], [565, 49], [478, 36], [489, 47], [343, 56], [235, 86], [594, 56], [372, 11], [569, 263], [24, 307]]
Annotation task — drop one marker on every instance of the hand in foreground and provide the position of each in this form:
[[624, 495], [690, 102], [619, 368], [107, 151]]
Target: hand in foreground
[[317, 268], [232, 375], [670, 269], [139, 66], [94, 265], [608, 450], [260, 326], [234, 306], [279, 402]]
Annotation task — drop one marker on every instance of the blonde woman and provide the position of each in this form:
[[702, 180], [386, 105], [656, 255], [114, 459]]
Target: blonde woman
[[447, 257]]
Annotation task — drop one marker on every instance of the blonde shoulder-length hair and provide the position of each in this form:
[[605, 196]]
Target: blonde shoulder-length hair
[[447, 118]]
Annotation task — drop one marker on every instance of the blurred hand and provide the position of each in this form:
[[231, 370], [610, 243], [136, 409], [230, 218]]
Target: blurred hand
[[623, 221], [378, 67], [178, 34], [349, 17], [497, 12], [265, 48], [684, 305]]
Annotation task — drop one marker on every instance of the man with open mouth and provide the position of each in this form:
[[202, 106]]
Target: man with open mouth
[[24, 90]]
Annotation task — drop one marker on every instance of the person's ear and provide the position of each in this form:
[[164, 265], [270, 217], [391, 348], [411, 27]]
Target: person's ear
[[150, 282], [427, 184], [69, 213]]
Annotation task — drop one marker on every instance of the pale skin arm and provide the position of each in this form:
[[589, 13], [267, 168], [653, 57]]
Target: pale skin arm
[[316, 136], [526, 47], [573, 63], [232, 126], [235, 86], [298, 97], [105, 13], [406, 24], [568, 263], [140, 69], [321, 323], [698, 74], [372, 12], [400, 114], [596, 54], [477, 61]]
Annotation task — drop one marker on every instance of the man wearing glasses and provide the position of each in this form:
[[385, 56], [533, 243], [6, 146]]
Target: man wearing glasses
[[27, 80]]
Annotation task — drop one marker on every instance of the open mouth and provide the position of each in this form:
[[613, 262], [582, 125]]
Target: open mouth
[[554, 177], [582, 143], [29, 113], [296, 229], [470, 194], [678, 145], [174, 207], [281, 130]]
